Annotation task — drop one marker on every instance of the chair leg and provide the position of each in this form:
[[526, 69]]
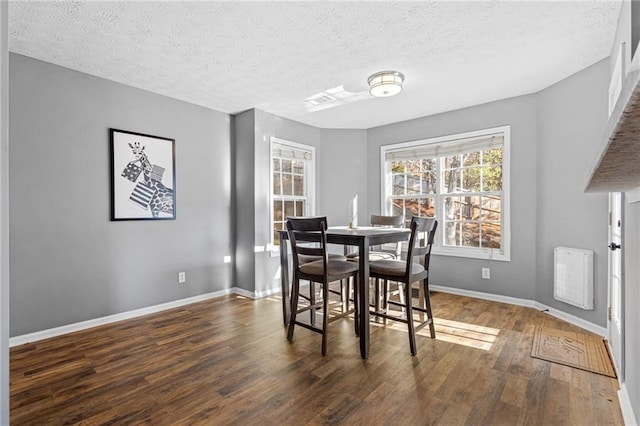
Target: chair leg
[[401, 296], [385, 299], [376, 296], [325, 316], [420, 300], [295, 293], [427, 303], [312, 301], [356, 295], [346, 296], [412, 331]]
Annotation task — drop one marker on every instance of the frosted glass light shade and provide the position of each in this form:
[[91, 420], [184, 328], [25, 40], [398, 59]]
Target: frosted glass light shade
[[385, 83]]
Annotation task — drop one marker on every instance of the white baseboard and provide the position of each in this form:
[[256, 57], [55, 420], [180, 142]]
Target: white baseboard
[[587, 325], [70, 328], [244, 293], [625, 405], [255, 294]]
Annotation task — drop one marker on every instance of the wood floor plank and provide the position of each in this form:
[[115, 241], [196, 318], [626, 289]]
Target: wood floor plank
[[227, 361]]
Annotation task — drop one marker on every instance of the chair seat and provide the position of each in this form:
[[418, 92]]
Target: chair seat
[[394, 267], [305, 258], [335, 267], [373, 256]]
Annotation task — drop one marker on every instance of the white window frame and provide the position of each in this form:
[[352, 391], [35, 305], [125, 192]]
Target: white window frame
[[310, 184], [502, 254]]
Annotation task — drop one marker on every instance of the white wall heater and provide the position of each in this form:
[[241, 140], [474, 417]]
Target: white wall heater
[[573, 276]]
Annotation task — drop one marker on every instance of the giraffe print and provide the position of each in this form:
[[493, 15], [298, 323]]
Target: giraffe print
[[162, 200]]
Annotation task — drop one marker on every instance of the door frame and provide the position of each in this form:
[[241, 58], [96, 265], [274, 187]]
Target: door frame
[[613, 237]]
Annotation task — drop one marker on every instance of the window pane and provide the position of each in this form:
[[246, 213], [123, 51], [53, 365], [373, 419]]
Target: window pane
[[298, 185], [492, 178], [413, 183], [470, 208], [398, 185], [491, 235], [397, 207], [277, 187], [452, 234], [491, 208], [276, 164], [397, 167], [452, 208], [300, 208], [287, 184], [451, 180], [429, 183], [471, 159], [452, 162], [298, 167], [424, 207], [429, 165], [413, 166], [492, 156], [413, 207], [277, 210], [470, 234], [286, 166], [428, 207], [289, 209], [471, 180], [276, 237]]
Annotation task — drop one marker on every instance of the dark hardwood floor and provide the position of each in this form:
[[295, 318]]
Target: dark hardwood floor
[[227, 361]]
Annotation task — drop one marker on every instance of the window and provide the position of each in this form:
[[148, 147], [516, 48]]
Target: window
[[463, 180], [292, 183]]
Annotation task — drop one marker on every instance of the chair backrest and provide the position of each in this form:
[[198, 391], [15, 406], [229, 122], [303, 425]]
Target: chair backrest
[[390, 222], [304, 230], [393, 221], [423, 233]]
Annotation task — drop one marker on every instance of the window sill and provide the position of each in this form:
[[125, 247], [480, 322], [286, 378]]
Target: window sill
[[484, 254]]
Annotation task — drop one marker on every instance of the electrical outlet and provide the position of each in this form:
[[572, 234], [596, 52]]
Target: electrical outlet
[[182, 277], [486, 273]]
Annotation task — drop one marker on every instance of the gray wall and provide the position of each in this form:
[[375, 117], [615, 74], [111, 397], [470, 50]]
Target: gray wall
[[69, 263], [342, 163], [572, 116], [4, 215], [243, 143], [516, 278]]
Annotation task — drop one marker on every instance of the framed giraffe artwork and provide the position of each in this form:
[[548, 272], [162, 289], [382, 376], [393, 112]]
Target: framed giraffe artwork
[[143, 176]]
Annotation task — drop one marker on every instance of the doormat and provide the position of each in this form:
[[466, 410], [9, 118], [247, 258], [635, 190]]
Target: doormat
[[576, 350]]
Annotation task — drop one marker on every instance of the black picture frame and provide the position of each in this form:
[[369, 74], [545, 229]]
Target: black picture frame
[[143, 177]]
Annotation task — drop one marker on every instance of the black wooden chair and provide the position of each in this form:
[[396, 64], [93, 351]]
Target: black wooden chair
[[384, 252], [406, 272], [323, 271]]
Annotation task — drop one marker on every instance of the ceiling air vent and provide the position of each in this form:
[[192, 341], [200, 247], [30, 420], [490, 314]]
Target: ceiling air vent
[[319, 99]]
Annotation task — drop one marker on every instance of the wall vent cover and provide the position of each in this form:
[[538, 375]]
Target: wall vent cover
[[573, 276]]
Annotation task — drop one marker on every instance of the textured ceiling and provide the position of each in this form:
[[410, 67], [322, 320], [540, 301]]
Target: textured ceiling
[[233, 56]]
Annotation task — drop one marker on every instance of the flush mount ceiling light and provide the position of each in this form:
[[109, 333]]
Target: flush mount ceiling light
[[385, 83]]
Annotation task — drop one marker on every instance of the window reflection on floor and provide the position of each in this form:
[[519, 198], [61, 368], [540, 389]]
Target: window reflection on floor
[[459, 333]]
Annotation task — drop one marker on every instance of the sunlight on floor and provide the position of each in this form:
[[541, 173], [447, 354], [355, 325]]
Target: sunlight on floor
[[459, 333]]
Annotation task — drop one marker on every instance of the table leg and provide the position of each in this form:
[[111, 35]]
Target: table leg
[[284, 281], [363, 296]]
